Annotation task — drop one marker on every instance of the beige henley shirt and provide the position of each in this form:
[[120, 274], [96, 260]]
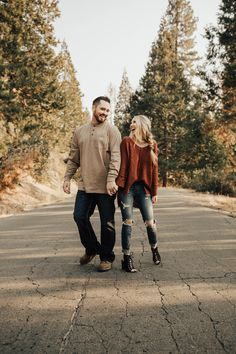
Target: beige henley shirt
[[95, 149]]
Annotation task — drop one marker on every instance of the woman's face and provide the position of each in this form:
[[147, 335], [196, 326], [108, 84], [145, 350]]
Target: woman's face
[[133, 125]]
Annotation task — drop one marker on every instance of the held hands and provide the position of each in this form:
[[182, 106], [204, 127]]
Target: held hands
[[154, 199], [112, 188], [66, 187]]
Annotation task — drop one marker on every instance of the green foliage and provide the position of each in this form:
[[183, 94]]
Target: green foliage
[[182, 124], [221, 60], [28, 68], [220, 78], [40, 98], [164, 96], [181, 23], [72, 114], [122, 116], [216, 182]]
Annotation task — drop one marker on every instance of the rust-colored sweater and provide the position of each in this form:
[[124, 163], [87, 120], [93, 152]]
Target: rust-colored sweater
[[137, 165]]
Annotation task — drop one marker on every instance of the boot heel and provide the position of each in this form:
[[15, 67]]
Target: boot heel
[[156, 256], [122, 265]]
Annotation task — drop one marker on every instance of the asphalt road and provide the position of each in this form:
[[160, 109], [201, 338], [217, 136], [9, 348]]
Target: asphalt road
[[50, 304]]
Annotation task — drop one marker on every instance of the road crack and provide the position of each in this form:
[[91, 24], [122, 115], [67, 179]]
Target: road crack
[[166, 314], [213, 322], [74, 316], [121, 326]]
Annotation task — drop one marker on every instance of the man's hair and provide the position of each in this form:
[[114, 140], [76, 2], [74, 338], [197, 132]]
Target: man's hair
[[97, 100]]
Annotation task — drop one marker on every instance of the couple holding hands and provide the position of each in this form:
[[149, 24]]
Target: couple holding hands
[[110, 167]]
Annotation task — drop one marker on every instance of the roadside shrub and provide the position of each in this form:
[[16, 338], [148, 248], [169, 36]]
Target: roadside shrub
[[214, 182]]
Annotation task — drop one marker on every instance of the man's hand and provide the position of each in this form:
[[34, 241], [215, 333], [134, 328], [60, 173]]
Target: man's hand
[[112, 188], [154, 199], [66, 187]]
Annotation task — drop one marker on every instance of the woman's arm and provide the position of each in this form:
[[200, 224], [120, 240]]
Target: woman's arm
[[155, 174], [124, 166]]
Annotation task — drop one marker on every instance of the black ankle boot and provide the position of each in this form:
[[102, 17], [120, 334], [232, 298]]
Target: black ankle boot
[[156, 256], [127, 264]]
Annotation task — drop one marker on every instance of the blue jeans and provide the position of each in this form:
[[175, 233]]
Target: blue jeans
[[85, 204], [136, 193]]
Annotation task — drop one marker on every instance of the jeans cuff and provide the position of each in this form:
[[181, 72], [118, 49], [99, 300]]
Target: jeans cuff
[[126, 252]]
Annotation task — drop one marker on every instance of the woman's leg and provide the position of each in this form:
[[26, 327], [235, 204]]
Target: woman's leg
[[126, 207], [146, 209]]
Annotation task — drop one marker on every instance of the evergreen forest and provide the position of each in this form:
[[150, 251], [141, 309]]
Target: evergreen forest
[[192, 107]]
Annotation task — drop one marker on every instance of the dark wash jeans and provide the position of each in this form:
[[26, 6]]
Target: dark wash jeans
[[85, 204]]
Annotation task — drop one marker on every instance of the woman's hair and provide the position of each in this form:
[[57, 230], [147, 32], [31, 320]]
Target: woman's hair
[[143, 133]]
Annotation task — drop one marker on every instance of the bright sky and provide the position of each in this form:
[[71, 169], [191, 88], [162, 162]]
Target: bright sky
[[106, 36]]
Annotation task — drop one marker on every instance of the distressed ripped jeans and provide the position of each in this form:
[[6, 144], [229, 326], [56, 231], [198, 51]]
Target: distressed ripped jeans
[[136, 193]]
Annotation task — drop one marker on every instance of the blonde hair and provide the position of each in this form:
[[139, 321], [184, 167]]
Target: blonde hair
[[143, 133]]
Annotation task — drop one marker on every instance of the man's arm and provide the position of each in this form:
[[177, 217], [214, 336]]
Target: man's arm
[[73, 162], [114, 165]]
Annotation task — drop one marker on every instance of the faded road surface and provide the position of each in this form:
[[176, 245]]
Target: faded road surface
[[50, 304]]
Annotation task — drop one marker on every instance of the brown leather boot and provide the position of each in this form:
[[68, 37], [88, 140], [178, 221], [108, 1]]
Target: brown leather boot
[[86, 258], [104, 266]]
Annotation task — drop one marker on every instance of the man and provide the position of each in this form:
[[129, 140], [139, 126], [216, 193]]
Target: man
[[95, 149]]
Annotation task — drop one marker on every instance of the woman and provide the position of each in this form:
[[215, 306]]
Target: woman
[[137, 181]]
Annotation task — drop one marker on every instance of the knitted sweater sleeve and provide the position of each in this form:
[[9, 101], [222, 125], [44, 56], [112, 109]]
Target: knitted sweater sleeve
[[122, 176], [155, 174], [73, 162], [114, 147]]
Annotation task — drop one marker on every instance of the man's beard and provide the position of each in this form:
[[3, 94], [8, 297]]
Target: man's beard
[[100, 118]]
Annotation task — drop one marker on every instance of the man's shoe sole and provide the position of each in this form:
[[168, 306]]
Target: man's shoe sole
[[104, 269]]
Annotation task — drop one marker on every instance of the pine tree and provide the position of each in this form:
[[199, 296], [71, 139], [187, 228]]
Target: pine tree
[[29, 67], [111, 93], [221, 56], [168, 97], [220, 80], [165, 89], [30, 95], [163, 97], [121, 110], [181, 23], [72, 114]]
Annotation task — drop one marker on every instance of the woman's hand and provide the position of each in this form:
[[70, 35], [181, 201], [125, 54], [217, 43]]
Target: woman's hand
[[154, 199]]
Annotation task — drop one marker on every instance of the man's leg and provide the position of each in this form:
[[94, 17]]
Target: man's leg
[[106, 207], [85, 204]]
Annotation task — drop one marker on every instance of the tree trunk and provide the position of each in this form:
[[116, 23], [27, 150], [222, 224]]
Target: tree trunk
[[164, 180]]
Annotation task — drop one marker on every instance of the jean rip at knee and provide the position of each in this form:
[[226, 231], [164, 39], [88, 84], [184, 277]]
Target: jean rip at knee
[[151, 231], [124, 205], [128, 222]]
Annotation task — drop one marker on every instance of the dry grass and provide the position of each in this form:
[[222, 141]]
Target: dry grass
[[218, 202]]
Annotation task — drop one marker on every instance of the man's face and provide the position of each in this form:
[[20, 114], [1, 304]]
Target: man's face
[[101, 111]]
